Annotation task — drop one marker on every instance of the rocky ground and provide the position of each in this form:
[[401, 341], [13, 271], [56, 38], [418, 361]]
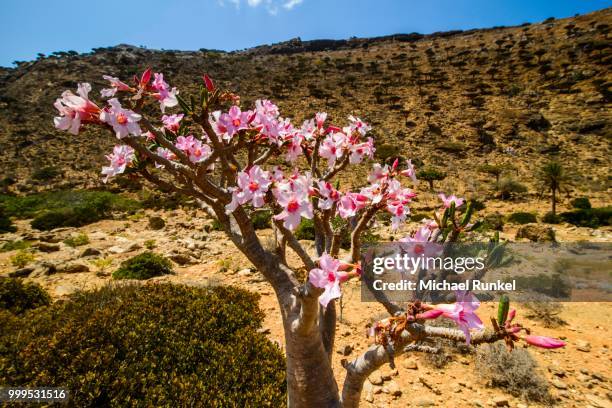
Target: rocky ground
[[579, 374]]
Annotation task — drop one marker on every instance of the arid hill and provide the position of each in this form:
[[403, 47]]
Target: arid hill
[[455, 100]]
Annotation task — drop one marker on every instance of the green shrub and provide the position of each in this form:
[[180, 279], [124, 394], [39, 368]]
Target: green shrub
[[17, 296], [143, 266], [306, 230], [46, 173], [261, 219], [581, 203], [452, 147], [148, 346], [522, 218], [77, 240], [551, 218], [508, 188], [15, 245], [593, 218], [430, 175], [69, 208], [554, 285], [387, 153], [22, 258], [6, 225], [494, 221], [516, 372]]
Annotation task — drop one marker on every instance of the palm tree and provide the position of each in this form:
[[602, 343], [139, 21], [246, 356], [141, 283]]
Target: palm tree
[[555, 178]]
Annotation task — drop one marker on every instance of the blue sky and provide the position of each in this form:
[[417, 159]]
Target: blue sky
[[29, 27]]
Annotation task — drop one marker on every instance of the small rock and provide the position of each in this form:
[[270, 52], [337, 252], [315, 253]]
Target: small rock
[[375, 378], [583, 346], [74, 267], [478, 404], [424, 402], [346, 350], [559, 384], [244, 272], [393, 388], [116, 250], [134, 247], [44, 247], [410, 364], [180, 259], [51, 238], [367, 390], [90, 252], [21, 273], [597, 402], [501, 402], [156, 223]]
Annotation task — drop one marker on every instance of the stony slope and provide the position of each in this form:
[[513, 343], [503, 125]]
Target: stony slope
[[511, 95]]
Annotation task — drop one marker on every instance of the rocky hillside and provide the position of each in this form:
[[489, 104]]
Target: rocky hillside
[[456, 100]]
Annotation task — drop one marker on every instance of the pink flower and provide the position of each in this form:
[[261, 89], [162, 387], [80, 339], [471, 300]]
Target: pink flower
[[116, 85], [351, 203], [264, 107], [123, 121], [121, 157], [235, 120], [451, 199], [293, 198], [327, 277], [75, 110], [166, 154], [185, 143], [410, 172], [328, 195], [462, 312], [199, 152], [379, 173], [165, 95], [332, 147], [252, 186], [196, 150], [172, 122], [398, 211], [320, 119], [543, 342], [361, 150], [294, 148], [418, 244], [210, 87], [430, 314], [358, 125]]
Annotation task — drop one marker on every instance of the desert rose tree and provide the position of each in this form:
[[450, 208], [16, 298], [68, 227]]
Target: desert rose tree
[[218, 153]]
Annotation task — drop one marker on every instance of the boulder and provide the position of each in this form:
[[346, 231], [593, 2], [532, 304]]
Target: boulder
[[45, 247], [536, 233], [90, 252], [73, 267], [156, 223]]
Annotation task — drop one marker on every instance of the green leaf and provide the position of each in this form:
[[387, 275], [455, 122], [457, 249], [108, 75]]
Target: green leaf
[[468, 214], [502, 309], [183, 105]]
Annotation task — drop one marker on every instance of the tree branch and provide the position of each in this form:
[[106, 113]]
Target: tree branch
[[361, 367]]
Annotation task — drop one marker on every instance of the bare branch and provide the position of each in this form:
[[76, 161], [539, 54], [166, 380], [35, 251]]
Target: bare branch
[[295, 245], [361, 367]]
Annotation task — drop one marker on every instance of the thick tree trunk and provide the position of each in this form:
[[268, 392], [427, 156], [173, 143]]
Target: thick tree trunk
[[310, 379]]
